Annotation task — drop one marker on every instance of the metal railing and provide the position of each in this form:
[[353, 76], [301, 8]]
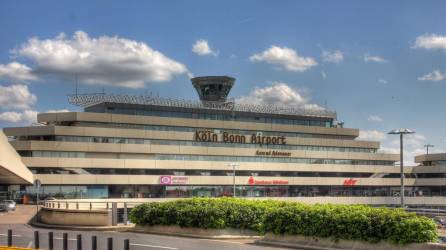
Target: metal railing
[[118, 210], [88, 205], [88, 100]]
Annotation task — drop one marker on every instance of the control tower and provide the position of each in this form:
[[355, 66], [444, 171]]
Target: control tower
[[213, 88]]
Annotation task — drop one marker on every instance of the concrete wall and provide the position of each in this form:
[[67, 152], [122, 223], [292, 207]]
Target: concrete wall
[[430, 157], [188, 150], [75, 217], [172, 135], [199, 123]]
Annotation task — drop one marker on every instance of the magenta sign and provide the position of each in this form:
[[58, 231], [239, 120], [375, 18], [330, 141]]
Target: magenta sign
[[173, 179], [166, 179]]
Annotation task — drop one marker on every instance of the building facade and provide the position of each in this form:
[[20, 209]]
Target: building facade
[[145, 147]]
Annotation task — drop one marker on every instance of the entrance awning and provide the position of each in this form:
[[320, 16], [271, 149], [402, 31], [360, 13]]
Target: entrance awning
[[12, 169]]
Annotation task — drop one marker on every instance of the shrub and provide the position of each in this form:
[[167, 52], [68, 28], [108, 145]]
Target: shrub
[[350, 222]]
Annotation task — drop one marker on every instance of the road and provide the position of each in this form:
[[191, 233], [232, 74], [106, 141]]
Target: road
[[23, 236]]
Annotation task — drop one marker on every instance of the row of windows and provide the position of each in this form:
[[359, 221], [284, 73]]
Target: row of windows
[[193, 130], [182, 172], [195, 143], [435, 163], [68, 154], [157, 191], [206, 172], [223, 117]]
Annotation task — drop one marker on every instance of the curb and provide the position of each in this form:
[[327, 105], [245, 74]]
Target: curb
[[290, 245], [122, 228], [197, 236]]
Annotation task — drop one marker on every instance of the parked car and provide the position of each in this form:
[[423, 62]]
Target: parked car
[[9, 205], [3, 207]]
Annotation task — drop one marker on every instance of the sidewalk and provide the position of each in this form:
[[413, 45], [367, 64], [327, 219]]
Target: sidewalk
[[21, 215]]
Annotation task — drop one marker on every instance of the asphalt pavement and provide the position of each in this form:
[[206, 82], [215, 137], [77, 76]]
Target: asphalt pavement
[[23, 236]]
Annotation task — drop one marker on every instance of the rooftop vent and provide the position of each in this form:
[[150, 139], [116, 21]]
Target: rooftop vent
[[213, 88]]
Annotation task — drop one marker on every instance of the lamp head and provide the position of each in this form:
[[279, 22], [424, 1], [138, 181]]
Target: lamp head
[[401, 131]]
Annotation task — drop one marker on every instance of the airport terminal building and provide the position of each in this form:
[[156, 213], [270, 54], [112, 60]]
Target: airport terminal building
[[125, 146]]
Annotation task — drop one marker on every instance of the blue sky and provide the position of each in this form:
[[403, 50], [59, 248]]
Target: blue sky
[[379, 64]]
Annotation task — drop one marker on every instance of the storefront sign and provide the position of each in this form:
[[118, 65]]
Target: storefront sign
[[252, 181], [350, 182], [273, 153], [173, 179], [208, 136]]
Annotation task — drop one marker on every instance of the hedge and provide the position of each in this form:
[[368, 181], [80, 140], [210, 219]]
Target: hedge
[[350, 222]]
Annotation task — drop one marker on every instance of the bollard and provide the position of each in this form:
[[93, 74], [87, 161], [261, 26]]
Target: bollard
[[50, 241], [91, 206], [94, 243], [9, 237], [126, 244], [110, 243], [36, 240], [65, 241], [77, 205], [79, 242]]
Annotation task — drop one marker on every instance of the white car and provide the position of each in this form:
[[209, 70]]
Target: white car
[[9, 205]]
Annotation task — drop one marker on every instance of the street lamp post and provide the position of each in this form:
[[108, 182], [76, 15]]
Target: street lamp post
[[427, 146], [401, 132], [233, 165]]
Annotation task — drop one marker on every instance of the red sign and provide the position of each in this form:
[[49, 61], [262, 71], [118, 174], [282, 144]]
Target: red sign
[[350, 182], [252, 181], [172, 179]]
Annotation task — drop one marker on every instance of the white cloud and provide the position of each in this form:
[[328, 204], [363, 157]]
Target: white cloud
[[383, 81], [372, 135], [278, 94], [16, 97], [25, 116], [377, 59], [430, 41], [16, 71], [104, 60], [375, 118], [201, 47], [284, 58], [57, 111], [434, 76], [332, 56], [16, 105]]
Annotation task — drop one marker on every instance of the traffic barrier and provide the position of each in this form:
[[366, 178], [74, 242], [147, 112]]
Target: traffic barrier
[[79, 242]]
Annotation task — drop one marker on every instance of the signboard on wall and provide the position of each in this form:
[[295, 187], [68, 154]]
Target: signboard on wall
[[173, 180], [350, 182], [210, 136], [252, 181]]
